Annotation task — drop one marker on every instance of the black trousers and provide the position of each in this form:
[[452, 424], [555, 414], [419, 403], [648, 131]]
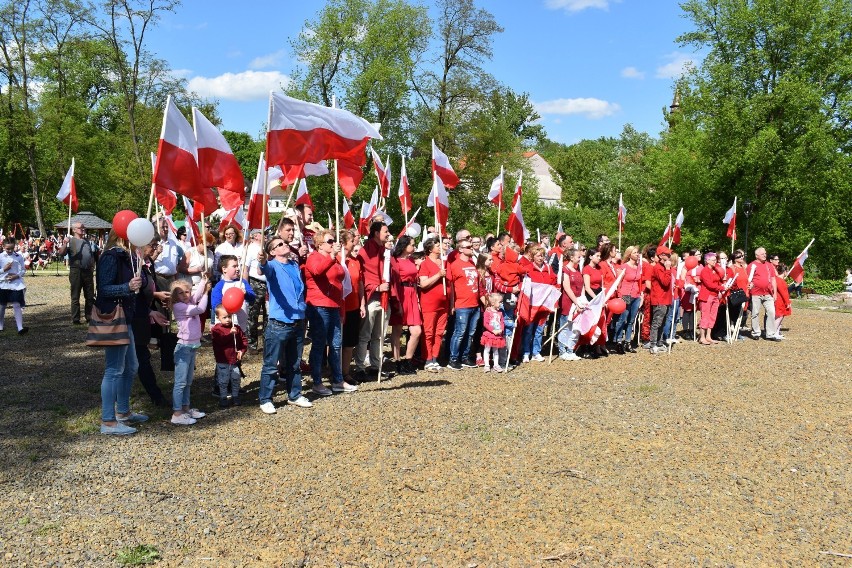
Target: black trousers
[[81, 280]]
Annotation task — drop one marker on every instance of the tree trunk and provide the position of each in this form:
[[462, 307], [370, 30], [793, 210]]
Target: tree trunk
[[34, 185]]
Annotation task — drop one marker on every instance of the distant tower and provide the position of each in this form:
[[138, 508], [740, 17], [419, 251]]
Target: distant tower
[[673, 108]]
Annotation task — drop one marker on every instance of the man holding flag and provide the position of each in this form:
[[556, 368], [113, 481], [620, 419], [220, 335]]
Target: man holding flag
[[81, 274]]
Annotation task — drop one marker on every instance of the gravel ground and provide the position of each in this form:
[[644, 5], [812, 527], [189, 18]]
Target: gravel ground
[[712, 456]]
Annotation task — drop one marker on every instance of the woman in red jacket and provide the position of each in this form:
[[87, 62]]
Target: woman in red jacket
[[782, 300], [708, 297], [324, 285], [405, 306], [539, 273]]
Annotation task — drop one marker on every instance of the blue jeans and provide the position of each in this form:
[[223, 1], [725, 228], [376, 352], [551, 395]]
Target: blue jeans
[[184, 372], [532, 339], [463, 331], [121, 366], [325, 331], [626, 319], [667, 326], [282, 342]]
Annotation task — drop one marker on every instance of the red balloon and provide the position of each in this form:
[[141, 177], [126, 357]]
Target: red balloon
[[616, 306], [121, 220], [232, 299], [691, 262]]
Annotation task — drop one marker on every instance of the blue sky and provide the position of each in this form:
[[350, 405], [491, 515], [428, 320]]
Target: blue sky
[[589, 66]]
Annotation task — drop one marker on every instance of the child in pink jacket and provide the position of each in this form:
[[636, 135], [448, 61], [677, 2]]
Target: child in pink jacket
[[187, 306]]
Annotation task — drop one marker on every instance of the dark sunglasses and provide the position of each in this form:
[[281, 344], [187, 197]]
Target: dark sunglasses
[[281, 244], [330, 242]]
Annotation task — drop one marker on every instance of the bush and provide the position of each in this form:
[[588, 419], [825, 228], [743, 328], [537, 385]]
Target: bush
[[824, 287]]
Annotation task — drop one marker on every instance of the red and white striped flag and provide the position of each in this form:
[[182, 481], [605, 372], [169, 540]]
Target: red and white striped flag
[[348, 218], [441, 166], [537, 297], [368, 210], [217, 164], [666, 234], [381, 174], [302, 133], [236, 216], [165, 197], [495, 194], [731, 220], [177, 160], [193, 215], [678, 223], [302, 195], [404, 191], [349, 177], [797, 273], [292, 174], [515, 223], [440, 201], [255, 218], [622, 213], [68, 192]]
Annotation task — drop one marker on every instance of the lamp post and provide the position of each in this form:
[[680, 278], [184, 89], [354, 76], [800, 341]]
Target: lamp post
[[748, 209]]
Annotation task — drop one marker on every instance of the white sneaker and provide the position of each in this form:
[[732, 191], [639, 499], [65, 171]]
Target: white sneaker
[[498, 369], [321, 390], [779, 336], [268, 408], [538, 358], [301, 402], [196, 414], [344, 387], [526, 359], [570, 356], [183, 420]]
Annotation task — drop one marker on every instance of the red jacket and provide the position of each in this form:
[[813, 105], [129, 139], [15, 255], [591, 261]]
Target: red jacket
[[224, 345], [371, 256], [323, 281], [661, 285]]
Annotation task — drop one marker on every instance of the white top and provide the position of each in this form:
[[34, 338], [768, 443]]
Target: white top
[[223, 249], [194, 260], [12, 264], [252, 263], [168, 260]]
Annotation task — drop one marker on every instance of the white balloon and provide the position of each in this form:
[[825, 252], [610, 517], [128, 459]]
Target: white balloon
[[414, 230], [140, 232]]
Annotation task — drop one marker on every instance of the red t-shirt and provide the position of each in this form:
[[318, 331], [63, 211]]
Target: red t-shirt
[[609, 273], [432, 299], [764, 275], [371, 256], [631, 284], [465, 280], [323, 281], [352, 302], [595, 276], [575, 282]]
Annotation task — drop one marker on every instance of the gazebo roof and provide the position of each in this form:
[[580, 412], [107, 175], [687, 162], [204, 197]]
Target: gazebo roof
[[89, 220]]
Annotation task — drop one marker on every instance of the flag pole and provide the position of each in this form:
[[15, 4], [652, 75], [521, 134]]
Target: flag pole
[[438, 228], [555, 312], [263, 173], [500, 200], [71, 201], [620, 196], [407, 204], [153, 185]]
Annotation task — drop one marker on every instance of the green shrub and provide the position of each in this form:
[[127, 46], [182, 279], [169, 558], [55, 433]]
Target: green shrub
[[138, 555], [824, 287]]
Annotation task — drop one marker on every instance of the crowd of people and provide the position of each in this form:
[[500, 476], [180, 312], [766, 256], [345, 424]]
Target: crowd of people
[[446, 304]]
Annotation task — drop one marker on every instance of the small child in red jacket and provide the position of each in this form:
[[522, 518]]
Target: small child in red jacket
[[229, 344]]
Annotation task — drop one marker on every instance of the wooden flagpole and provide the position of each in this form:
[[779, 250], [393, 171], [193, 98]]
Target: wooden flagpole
[[407, 204], [500, 201], [265, 167], [153, 186], [671, 232], [555, 313], [71, 201]]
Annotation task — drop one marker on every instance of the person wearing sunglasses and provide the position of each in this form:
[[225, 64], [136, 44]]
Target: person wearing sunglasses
[[324, 283], [284, 336]]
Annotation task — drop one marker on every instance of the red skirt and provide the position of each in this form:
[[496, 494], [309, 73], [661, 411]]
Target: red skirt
[[406, 312]]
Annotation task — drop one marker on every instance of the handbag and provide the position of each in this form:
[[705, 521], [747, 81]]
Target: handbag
[[107, 329]]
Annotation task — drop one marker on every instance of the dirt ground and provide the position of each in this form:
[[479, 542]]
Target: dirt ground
[[732, 455]]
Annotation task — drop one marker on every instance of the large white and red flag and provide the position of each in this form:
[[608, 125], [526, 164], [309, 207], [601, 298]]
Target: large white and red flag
[[302, 195], [678, 224], [535, 298], [440, 201], [217, 164], [622, 213], [666, 234], [302, 133], [731, 220], [797, 273], [515, 223], [404, 192], [590, 323], [349, 176], [495, 194], [177, 160], [441, 166], [381, 173], [68, 192], [348, 218]]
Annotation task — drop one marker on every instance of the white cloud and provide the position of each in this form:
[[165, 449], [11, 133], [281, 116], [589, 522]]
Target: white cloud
[[245, 86], [267, 61], [576, 5], [589, 107], [678, 64], [632, 73]]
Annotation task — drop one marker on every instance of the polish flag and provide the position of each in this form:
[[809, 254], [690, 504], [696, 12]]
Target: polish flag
[[495, 194], [255, 218], [678, 223], [622, 213], [236, 217], [217, 164], [301, 133], [165, 197], [368, 210], [559, 232], [731, 220], [302, 195], [404, 192], [441, 166], [177, 160], [535, 298], [382, 174], [591, 322], [439, 199], [409, 223], [349, 176], [68, 192], [173, 229], [192, 218], [797, 273], [666, 235], [292, 174], [515, 223], [348, 218]]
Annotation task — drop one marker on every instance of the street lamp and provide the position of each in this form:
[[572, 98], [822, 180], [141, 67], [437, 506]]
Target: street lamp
[[748, 209]]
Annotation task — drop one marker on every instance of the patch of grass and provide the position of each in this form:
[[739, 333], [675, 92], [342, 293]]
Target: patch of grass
[[746, 384], [23, 521], [484, 434], [822, 306], [138, 555], [463, 427], [648, 390], [59, 410], [87, 423], [47, 529]]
